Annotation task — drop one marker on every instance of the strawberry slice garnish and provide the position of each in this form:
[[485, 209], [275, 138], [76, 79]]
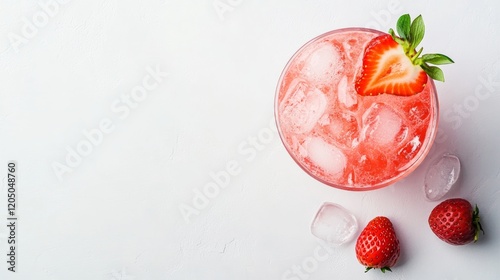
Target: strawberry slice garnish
[[392, 65], [386, 69]]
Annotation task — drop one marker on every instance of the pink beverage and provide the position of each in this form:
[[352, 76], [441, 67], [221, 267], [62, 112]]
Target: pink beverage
[[339, 137]]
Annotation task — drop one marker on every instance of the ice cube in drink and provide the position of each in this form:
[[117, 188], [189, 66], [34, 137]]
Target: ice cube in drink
[[343, 139]]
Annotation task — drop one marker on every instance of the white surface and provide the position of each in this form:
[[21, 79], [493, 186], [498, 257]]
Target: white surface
[[117, 214]]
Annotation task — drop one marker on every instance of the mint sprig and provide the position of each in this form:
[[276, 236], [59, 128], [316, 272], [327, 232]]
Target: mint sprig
[[410, 35]]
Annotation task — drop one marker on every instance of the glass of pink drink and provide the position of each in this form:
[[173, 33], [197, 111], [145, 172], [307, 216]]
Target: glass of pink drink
[[339, 137]]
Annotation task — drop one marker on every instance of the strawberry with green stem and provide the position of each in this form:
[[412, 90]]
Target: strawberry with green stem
[[377, 245], [392, 64], [456, 222]]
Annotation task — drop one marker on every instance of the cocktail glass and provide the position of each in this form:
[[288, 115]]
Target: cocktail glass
[[339, 137]]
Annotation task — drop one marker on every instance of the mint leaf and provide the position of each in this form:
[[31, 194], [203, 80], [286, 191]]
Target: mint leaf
[[417, 31], [403, 26], [436, 58]]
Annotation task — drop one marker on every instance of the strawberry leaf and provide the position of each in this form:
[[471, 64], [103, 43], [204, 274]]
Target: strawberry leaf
[[476, 223], [434, 72], [417, 31], [384, 269], [410, 35], [403, 26], [393, 35], [436, 58]]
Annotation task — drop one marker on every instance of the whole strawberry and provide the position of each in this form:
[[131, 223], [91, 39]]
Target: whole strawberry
[[455, 221], [377, 245]]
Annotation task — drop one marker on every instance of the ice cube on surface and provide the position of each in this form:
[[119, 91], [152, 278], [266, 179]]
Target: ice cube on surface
[[323, 63], [382, 125], [302, 107], [326, 156], [440, 177], [334, 224]]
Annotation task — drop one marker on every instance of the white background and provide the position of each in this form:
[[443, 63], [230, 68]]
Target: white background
[[132, 204]]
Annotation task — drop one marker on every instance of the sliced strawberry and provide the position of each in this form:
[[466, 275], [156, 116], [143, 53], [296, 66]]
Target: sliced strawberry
[[387, 69], [392, 64]]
